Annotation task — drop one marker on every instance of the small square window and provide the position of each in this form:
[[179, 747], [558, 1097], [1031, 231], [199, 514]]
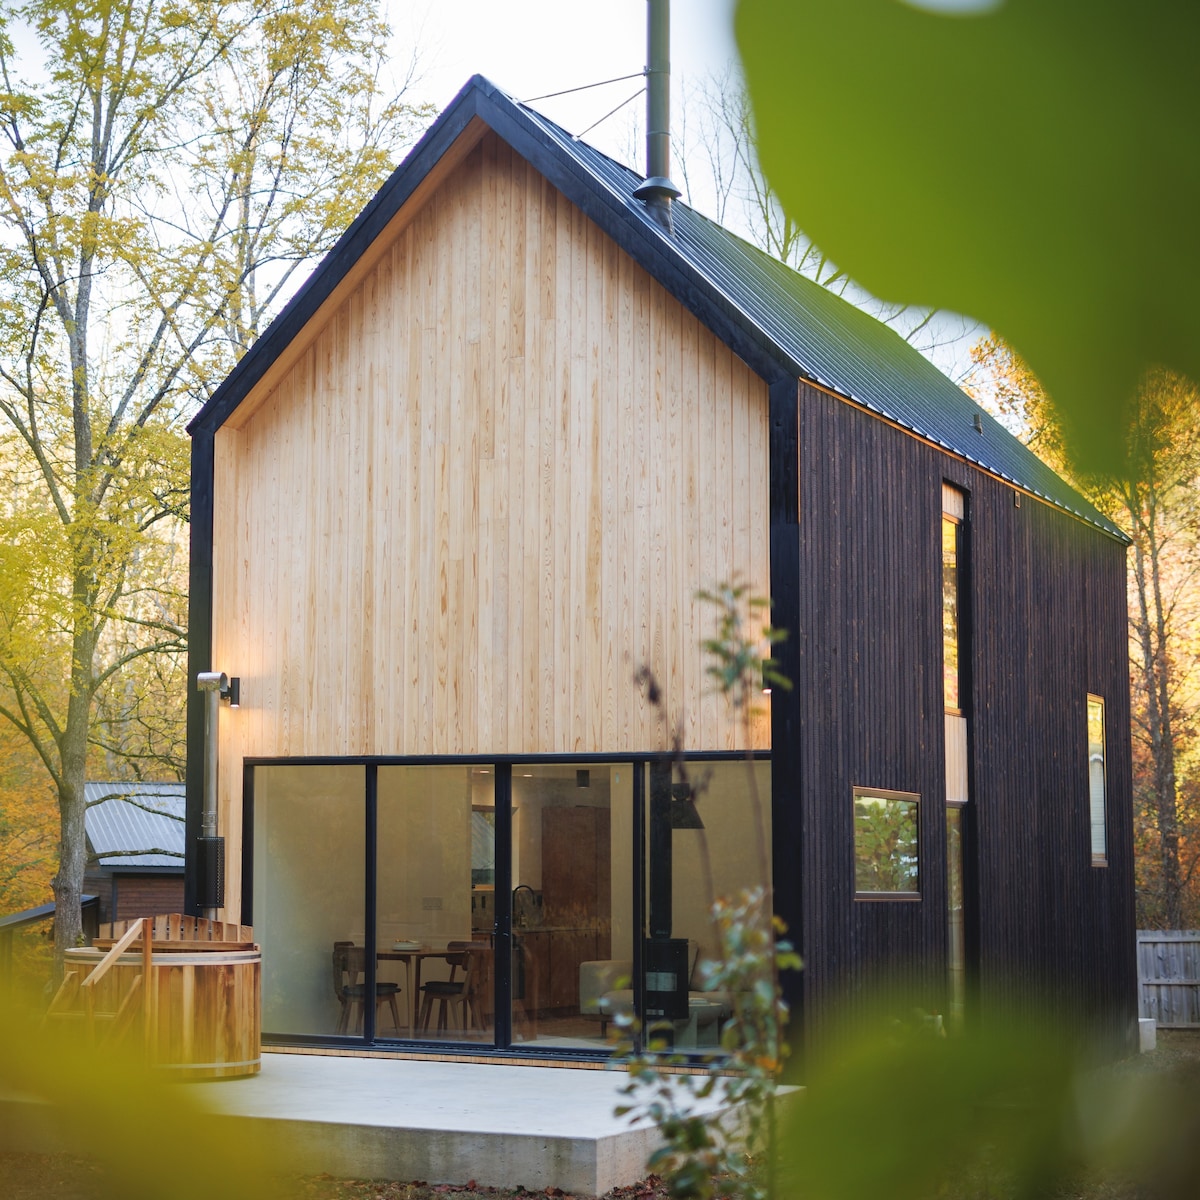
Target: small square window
[[886, 857]]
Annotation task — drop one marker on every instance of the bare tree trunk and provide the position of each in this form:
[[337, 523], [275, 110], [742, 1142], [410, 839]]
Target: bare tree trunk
[[73, 747], [1150, 629], [68, 882]]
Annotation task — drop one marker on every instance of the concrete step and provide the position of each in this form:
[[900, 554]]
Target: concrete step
[[445, 1122]]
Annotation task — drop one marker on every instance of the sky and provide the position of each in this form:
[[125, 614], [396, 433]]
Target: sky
[[530, 48], [533, 47]]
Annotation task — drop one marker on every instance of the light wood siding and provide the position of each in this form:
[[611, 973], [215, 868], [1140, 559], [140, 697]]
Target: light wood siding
[[486, 491], [957, 788]]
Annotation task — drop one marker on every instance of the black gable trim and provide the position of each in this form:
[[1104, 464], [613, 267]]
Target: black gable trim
[[200, 596], [623, 221], [757, 306]]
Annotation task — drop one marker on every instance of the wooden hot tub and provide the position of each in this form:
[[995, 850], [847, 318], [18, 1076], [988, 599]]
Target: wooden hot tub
[[203, 1004]]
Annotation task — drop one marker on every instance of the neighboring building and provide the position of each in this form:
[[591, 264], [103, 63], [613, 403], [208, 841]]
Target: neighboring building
[[473, 476], [135, 848]]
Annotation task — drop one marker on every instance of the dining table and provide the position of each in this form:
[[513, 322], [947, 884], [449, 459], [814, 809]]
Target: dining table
[[412, 955]]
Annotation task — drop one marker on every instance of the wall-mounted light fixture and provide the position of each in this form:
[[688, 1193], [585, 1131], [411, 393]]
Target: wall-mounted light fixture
[[583, 778], [766, 679], [232, 691]]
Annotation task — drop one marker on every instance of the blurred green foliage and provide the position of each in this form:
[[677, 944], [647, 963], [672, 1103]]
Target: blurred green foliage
[[148, 1137], [895, 1110], [1031, 163]]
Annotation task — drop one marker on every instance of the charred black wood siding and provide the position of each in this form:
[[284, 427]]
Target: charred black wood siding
[[1046, 594]]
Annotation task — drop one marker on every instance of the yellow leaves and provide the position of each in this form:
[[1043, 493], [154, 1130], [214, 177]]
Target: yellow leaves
[[28, 819], [176, 166]]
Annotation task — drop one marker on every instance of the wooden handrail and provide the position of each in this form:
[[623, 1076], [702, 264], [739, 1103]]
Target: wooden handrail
[[141, 983], [130, 936]]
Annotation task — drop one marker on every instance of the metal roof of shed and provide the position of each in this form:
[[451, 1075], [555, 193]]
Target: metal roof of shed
[[771, 309], [126, 821]]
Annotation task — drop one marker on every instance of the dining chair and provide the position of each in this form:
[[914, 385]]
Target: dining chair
[[350, 987], [459, 990]]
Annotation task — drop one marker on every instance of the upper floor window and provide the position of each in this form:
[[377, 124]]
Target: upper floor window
[[1096, 778], [953, 514]]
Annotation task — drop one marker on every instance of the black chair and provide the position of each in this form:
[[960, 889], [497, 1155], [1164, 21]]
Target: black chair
[[466, 956], [349, 986]]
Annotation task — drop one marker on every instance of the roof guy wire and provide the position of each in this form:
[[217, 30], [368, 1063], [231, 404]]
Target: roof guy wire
[[584, 87], [608, 114]]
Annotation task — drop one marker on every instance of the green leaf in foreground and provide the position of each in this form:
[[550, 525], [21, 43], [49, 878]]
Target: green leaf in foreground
[[907, 1114], [148, 1138], [1033, 165]]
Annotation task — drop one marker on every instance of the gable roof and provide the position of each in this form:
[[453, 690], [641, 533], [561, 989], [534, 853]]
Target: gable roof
[[125, 820], [780, 322]]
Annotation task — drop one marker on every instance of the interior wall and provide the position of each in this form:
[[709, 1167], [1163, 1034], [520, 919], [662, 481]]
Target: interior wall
[[308, 888], [621, 818], [733, 798], [424, 857], [539, 790]]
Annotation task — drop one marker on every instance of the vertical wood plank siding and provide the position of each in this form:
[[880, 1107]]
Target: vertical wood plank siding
[[1048, 625], [487, 490]]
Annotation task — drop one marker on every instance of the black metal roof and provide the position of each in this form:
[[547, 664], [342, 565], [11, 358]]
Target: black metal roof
[[779, 321]]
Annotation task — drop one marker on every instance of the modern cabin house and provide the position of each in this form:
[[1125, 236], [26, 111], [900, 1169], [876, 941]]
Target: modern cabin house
[[473, 477]]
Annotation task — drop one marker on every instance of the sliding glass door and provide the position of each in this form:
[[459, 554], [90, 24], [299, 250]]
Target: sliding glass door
[[308, 894], [572, 900], [436, 900], [522, 904], [708, 837]]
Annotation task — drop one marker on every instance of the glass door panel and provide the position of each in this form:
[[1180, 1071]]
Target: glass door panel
[[309, 850], [572, 901], [708, 837], [435, 902]]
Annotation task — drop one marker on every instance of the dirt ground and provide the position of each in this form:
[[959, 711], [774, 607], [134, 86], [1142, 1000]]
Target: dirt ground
[[64, 1177]]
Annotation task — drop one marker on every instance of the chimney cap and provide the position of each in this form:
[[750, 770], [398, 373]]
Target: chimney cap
[[657, 187]]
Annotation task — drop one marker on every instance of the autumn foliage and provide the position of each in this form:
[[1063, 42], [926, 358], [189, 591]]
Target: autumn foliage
[[1156, 504]]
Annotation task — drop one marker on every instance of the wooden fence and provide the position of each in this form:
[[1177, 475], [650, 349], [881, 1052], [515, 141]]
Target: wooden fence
[[1169, 976]]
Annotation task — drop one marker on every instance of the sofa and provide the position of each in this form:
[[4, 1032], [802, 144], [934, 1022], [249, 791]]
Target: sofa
[[605, 992]]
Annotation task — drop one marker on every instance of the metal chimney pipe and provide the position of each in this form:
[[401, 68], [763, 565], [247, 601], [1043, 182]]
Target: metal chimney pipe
[[658, 88], [212, 684], [658, 191]]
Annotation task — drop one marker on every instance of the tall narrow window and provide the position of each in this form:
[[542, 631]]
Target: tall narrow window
[[955, 697], [1096, 778], [951, 670], [956, 933]]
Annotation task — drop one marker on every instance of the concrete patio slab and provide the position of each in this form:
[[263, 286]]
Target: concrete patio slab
[[443, 1122]]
